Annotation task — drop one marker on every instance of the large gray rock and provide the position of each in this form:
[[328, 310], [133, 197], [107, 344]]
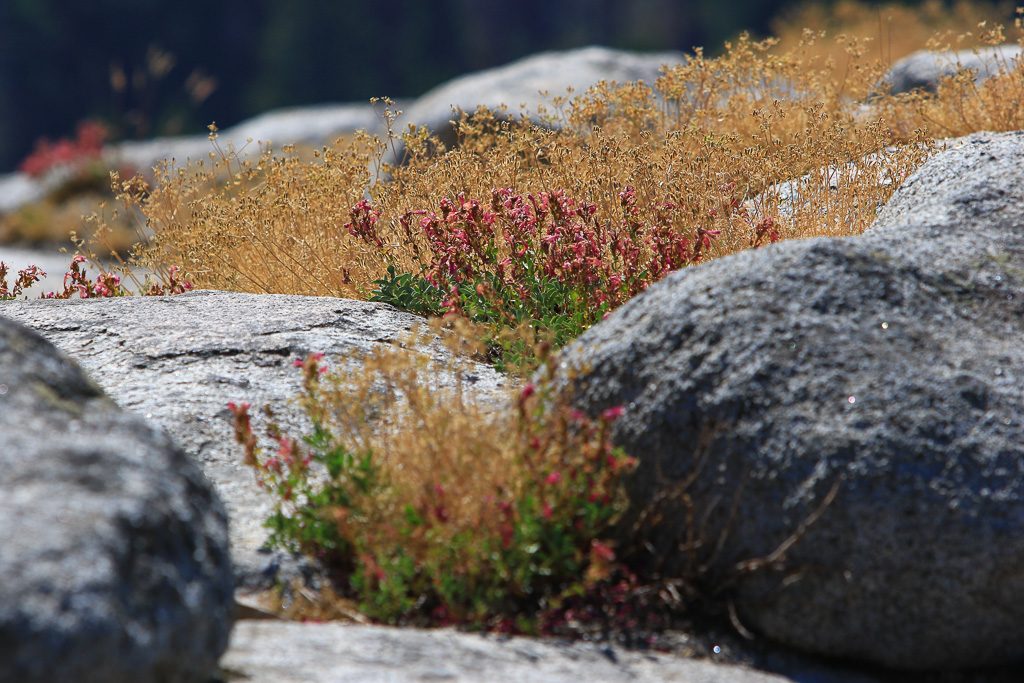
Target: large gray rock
[[519, 85], [114, 562], [891, 365], [178, 360], [924, 70], [276, 652]]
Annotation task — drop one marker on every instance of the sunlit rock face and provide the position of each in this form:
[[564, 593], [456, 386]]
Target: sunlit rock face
[[886, 370]]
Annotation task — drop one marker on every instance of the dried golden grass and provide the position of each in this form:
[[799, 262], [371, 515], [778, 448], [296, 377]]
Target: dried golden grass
[[711, 134], [429, 433], [891, 30]]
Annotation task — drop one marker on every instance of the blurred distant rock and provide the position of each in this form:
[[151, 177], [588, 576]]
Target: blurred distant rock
[[313, 125], [145, 154], [18, 189], [280, 652], [924, 70], [520, 85]]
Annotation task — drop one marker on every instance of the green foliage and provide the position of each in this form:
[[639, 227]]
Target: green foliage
[[408, 293]]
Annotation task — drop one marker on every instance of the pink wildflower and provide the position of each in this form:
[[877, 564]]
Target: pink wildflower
[[611, 414], [601, 551]]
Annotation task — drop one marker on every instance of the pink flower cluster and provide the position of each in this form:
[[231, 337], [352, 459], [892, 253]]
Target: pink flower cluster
[[26, 278], [86, 146], [174, 285], [106, 285], [363, 223], [526, 240]]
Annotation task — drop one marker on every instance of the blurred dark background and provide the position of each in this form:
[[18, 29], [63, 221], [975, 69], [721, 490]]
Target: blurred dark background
[[162, 67]]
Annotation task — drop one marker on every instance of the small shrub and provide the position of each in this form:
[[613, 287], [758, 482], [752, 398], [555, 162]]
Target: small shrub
[[77, 179], [430, 509], [961, 105], [761, 114]]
